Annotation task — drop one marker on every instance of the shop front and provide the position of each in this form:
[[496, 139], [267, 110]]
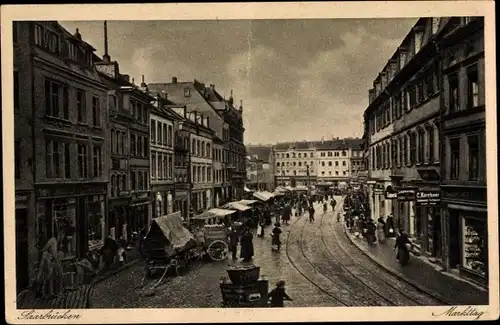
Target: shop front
[[138, 216], [26, 245], [74, 215], [181, 202], [428, 221], [117, 215], [465, 213], [406, 211]]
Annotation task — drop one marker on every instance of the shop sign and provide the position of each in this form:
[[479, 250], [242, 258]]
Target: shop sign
[[406, 195], [428, 198], [371, 182], [390, 194], [378, 191], [465, 194], [21, 198]]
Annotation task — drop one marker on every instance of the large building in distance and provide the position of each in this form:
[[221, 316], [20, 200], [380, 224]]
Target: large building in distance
[[294, 163], [333, 163]]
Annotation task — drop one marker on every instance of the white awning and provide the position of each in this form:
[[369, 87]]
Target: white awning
[[247, 202], [264, 195], [246, 189], [216, 212], [236, 206]]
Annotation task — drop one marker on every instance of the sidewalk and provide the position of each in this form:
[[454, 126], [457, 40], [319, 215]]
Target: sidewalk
[[422, 274], [133, 257]]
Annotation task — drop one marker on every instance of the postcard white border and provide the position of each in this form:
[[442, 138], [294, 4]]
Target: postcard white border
[[211, 11]]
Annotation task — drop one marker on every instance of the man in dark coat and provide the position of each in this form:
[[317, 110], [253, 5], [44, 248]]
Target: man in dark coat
[[287, 212], [233, 242], [311, 214], [278, 295], [246, 245]]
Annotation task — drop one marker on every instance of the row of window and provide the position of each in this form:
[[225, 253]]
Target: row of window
[[333, 154], [138, 144], [465, 151], [469, 90], [294, 163], [201, 174], [405, 54], [162, 165], [221, 155], [344, 173], [161, 133], [200, 148], [139, 111], [139, 181], [330, 163], [416, 92], [53, 42], [413, 147], [296, 172], [59, 98], [221, 176], [294, 155], [59, 160]]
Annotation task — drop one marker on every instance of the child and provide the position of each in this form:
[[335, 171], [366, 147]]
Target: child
[[278, 295]]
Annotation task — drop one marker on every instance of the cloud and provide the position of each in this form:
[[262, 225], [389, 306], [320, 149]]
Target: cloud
[[299, 79]]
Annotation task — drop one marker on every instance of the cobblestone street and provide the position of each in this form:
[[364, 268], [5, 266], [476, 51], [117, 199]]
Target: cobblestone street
[[318, 262]]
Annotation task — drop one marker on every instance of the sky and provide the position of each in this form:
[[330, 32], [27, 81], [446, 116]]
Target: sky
[[298, 79]]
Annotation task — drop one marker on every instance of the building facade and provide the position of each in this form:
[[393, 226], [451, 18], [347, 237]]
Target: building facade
[[264, 153], [196, 96], [356, 161], [68, 128], [218, 170], [403, 121], [28, 245], [162, 157], [255, 177], [463, 148], [295, 164], [333, 163]]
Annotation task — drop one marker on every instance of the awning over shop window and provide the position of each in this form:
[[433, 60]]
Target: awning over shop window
[[216, 212], [278, 193], [300, 188], [281, 189], [264, 195], [289, 188], [246, 189], [236, 206], [247, 202]]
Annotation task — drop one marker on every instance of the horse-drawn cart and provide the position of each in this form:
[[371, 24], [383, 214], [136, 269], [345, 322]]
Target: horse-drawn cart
[[167, 246], [211, 229]]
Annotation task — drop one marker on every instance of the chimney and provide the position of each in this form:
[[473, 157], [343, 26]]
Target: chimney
[[143, 84], [133, 83], [174, 80], [208, 122], [231, 100], [241, 105], [78, 35], [106, 56]]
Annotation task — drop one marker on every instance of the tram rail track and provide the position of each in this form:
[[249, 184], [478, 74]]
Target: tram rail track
[[404, 290], [396, 292]]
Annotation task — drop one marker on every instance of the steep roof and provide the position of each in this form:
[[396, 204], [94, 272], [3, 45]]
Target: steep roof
[[263, 152]]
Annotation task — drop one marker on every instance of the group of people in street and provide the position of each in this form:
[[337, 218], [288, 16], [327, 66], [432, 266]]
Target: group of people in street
[[358, 221]]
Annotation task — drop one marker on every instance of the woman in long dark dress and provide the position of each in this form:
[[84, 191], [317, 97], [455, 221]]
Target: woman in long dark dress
[[246, 243], [278, 295]]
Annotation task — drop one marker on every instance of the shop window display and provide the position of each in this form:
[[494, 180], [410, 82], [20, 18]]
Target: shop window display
[[63, 217], [95, 222], [474, 255]]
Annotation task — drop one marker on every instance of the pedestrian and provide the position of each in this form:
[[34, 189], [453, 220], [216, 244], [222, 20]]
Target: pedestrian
[[403, 245], [287, 212], [325, 207], [389, 226], [48, 281], [276, 236], [381, 230], [246, 245], [311, 214], [278, 295], [233, 242], [370, 232]]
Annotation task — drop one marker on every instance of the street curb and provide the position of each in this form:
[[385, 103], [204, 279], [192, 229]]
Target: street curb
[[395, 273]]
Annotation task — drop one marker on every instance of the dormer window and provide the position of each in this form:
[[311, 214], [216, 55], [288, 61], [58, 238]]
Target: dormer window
[[418, 41], [73, 52], [53, 42], [435, 25], [402, 59], [38, 35], [187, 92]]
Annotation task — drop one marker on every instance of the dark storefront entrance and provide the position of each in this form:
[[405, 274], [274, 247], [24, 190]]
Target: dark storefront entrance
[[22, 270], [454, 239]]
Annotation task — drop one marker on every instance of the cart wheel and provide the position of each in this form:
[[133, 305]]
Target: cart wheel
[[218, 250]]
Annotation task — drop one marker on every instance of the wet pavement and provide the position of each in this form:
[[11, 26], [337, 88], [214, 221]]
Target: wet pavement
[[318, 262], [199, 287], [422, 274]]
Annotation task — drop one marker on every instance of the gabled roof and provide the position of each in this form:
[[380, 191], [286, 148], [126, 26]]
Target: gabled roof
[[262, 152]]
